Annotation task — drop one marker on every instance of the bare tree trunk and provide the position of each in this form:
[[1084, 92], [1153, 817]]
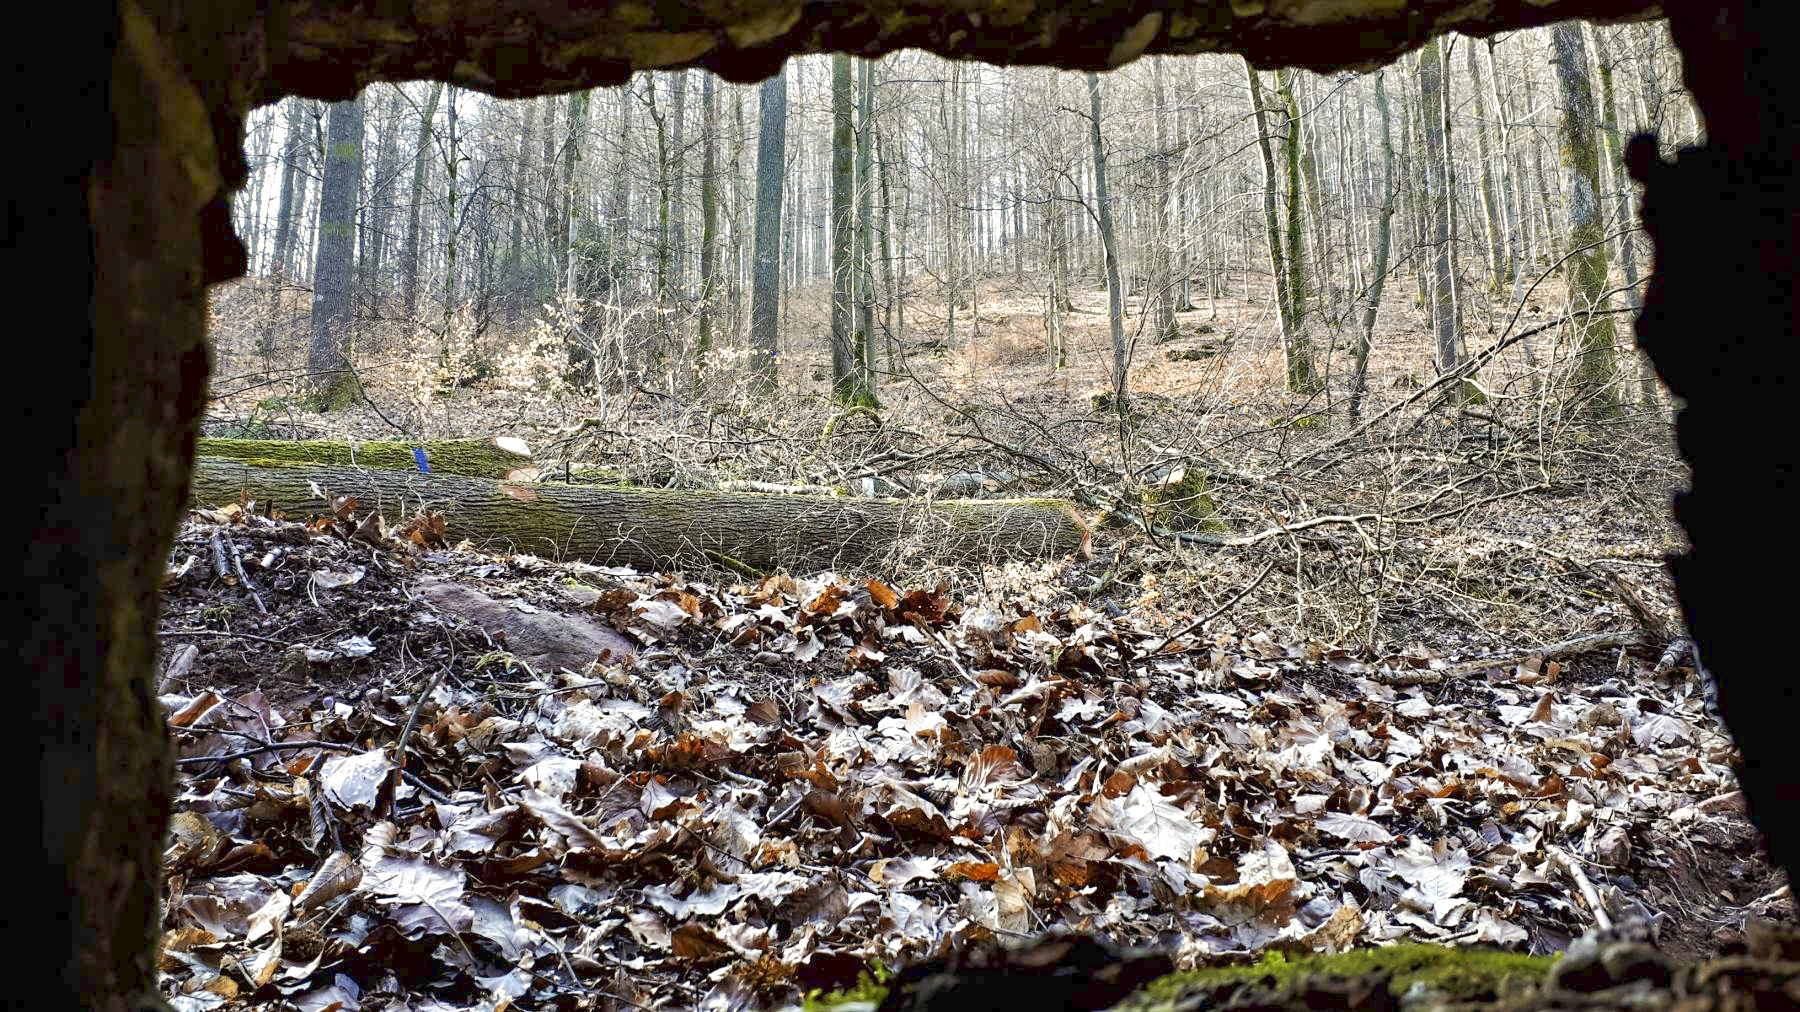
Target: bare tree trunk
[[518, 286], [656, 528], [1431, 112], [739, 277], [326, 354], [709, 213], [677, 185], [421, 164], [1509, 178], [1585, 267], [378, 218], [1296, 233], [1115, 293], [1383, 237], [569, 221], [765, 291], [1165, 235], [891, 300], [552, 208], [947, 114], [619, 246], [250, 205], [1184, 200], [1621, 192], [451, 228], [292, 185], [847, 381], [1540, 185], [1018, 213], [865, 223], [1303, 133], [662, 199], [1493, 211], [1296, 349]]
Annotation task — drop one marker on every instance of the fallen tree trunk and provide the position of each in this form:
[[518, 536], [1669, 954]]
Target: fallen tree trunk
[[651, 528], [499, 457]]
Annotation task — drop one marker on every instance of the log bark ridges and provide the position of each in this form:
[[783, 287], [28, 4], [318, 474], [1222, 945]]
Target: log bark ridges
[[653, 528]]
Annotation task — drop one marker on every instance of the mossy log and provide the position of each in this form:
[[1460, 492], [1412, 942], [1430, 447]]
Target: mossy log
[[498, 457], [651, 528]]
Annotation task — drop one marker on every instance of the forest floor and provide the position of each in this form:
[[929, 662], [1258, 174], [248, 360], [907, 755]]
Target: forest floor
[[1418, 701]]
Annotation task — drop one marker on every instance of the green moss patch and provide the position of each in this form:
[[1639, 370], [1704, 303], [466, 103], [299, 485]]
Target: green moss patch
[[1182, 501], [1411, 969], [1417, 972]]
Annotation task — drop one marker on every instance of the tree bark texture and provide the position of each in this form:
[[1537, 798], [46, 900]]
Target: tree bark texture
[[1384, 231], [1295, 234], [1493, 210], [765, 279], [421, 166], [1438, 197], [1296, 350], [333, 269], [709, 212], [846, 359], [865, 224], [1586, 266], [652, 528], [1164, 279], [1115, 292]]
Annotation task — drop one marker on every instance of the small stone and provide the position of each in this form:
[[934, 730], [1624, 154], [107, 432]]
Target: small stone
[[1614, 847]]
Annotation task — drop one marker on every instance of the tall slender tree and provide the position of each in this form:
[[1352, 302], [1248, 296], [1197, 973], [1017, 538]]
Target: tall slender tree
[[619, 245], [452, 226], [569, 222], [1115, 293], [293, 186], [677, 158], [1296, 348], [709, 209], [865, 223], [421, 165], [1293, 161], [765, 284], [518, 176], [378, 210], [1438, 199], [1585, 264], [1383, 237], [1163, 279], [847, 381], [1621, 194], [328, 349]]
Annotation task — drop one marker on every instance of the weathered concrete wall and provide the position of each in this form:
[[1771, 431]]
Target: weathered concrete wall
[[130, 219], [521, 47]]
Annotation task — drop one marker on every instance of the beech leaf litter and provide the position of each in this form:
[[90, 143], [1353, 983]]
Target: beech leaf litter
[[762, 789]]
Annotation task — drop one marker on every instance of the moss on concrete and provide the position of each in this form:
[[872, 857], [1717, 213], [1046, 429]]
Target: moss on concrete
[[1419, 975], [1413, 971]]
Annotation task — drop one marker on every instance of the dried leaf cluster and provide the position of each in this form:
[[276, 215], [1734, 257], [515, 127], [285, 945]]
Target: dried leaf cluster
[[797, 780]]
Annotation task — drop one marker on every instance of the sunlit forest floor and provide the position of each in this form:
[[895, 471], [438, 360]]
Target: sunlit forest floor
[[1406, 681]]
